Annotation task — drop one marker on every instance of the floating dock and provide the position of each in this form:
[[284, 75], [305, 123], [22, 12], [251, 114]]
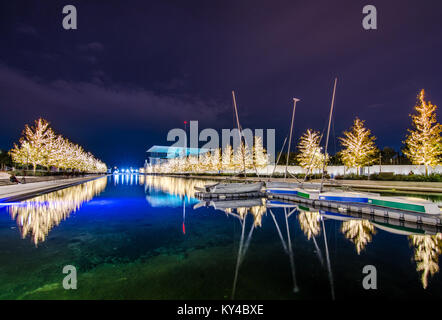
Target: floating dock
[[364, 209], [368, 208]]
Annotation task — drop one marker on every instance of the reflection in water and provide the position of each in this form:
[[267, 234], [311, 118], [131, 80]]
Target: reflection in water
[[240, 208], [256, 208], [37, 216], [359, 232], [257, 211], [309, 222], [427, 249], [128, 179], [175, 186]]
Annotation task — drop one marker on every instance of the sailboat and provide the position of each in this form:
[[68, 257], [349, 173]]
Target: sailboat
[[226, 188], [233, 188], [316, 191]]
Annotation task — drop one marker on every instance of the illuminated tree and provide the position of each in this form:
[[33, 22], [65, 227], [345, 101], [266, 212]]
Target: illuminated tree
[[20, 154], [192, 163], [310, 153], [41, 146], [260, 157], [359, 147], [33, 144], [423, 143], [181, 164], [173, 165], [205, 162], [227, 158], [216, 160], [242, 157]]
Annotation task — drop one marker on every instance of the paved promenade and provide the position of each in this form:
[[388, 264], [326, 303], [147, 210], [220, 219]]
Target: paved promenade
[[36, 187]]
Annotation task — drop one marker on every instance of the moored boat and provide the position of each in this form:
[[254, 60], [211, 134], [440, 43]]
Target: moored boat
[[308, 191], [228, 188]]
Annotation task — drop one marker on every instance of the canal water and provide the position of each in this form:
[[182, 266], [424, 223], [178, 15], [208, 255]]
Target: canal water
[[144, 237]]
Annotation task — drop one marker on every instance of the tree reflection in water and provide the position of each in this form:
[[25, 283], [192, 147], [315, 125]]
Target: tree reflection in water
[[37, 216], [309, 222], [359, 232], [427, 249], [174, 186]]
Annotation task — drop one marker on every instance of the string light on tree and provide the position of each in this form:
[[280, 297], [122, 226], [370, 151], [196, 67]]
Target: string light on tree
[[359, 147], [39, 145], [310, 153], [423, 143], [227, 158], [260, 157]]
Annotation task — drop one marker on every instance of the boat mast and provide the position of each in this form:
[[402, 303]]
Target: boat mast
[[290, 137], [328, 133], [239, 133], [279, 156], [184, 215]]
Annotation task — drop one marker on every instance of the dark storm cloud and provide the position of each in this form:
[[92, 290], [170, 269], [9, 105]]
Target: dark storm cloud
[[73, 101]]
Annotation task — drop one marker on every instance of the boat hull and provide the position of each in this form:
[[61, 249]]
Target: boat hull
[[232, 188]]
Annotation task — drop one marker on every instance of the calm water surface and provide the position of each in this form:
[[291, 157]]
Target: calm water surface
[[141, 237]]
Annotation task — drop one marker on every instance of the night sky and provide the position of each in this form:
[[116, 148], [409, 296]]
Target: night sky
[[133, 70]]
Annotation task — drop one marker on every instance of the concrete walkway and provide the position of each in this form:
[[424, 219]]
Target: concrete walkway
[[18, 190]]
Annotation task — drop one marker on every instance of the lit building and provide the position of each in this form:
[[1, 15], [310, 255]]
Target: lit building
[[157, 154]]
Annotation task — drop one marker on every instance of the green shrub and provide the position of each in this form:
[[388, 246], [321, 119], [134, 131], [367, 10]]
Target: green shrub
[[407, 177], [351, 176]]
